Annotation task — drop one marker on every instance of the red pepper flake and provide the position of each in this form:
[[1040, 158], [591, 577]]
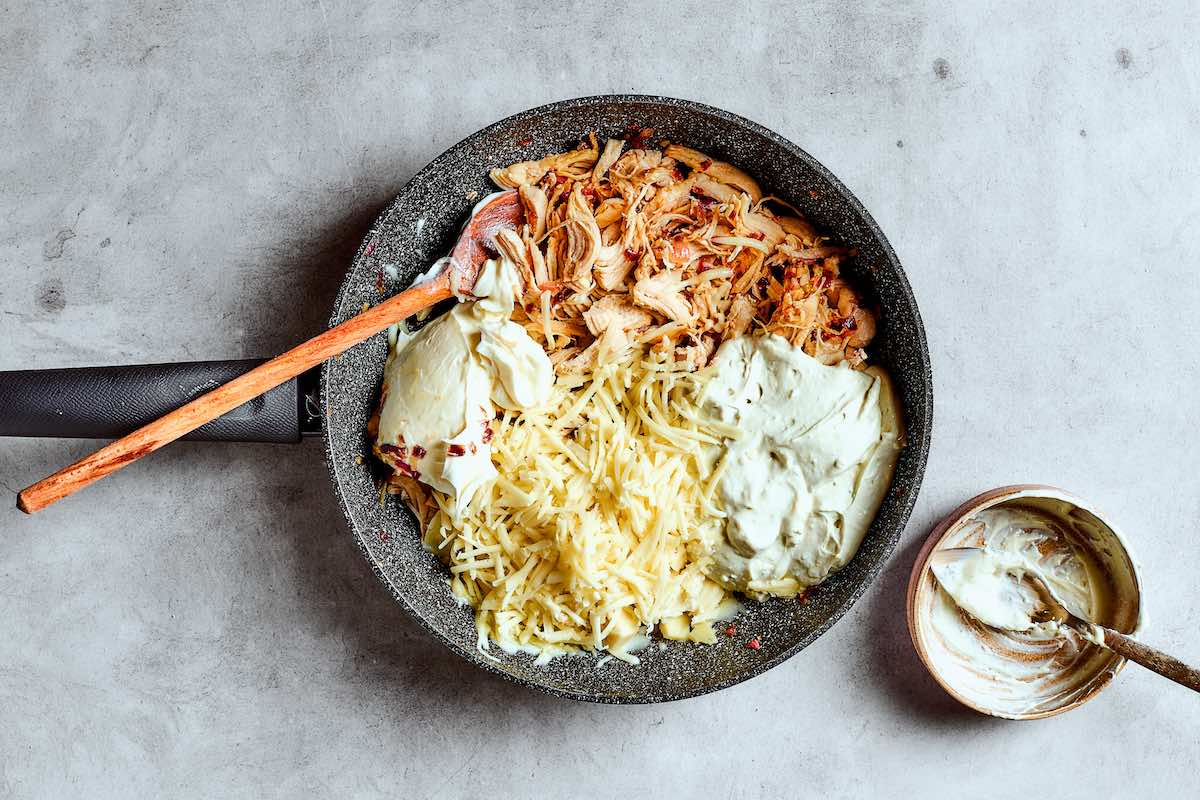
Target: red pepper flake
[[391, 448], [370, 249], [589, 191], [705, 164], [379, 281], [406, 468], [754, 643], [758, 235], [637, 137], [676, 173], [804, 598], [456, 450], [633, 255], [418, 451], [731, 631], [487, 433], [814, 194], [559, 178], [525, 142], [704, 200], [384, 535]]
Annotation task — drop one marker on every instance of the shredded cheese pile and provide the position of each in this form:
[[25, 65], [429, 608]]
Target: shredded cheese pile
[[596, 528]]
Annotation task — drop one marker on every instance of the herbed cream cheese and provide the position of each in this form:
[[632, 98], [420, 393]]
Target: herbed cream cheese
[[441, 386], [813, 461]]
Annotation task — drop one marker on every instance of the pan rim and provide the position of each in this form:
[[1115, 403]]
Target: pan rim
[[906, 503]]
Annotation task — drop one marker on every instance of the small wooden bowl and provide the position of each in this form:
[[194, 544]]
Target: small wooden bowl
[[966, 681]]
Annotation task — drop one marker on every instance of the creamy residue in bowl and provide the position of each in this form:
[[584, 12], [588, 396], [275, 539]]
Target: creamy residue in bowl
[[1023, 673]]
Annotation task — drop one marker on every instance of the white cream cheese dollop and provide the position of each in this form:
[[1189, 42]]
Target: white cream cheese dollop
[[441, 386], [809, 470]]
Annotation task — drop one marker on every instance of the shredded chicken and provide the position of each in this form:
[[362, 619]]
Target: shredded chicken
[[612, 150], [513, 247], [741, 314], [631, 245], [583, 239], [535, 202], [615, 310], [663, 292], [718, 170], [612, 266], [611, 345]]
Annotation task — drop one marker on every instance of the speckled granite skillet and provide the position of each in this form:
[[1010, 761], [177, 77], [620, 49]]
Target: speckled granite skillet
[[422, 223]]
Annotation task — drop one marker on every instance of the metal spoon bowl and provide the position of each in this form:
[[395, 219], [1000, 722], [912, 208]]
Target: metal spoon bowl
[[1052, 608]]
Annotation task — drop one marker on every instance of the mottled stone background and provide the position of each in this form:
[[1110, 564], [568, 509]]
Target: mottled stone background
[[185, 180]]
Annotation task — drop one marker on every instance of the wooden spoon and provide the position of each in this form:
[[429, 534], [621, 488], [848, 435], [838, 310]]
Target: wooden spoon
[[456, 279], [1052, 608]]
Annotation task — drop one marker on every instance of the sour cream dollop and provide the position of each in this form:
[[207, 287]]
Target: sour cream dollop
[[442, 384], [814, 459]]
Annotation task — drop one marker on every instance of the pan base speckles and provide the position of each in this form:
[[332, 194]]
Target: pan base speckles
[[421, 224]]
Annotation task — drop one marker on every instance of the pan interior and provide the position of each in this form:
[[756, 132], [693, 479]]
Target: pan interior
[[421, 224]]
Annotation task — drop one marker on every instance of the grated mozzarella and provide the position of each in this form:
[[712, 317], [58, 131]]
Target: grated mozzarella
[[597, 529]]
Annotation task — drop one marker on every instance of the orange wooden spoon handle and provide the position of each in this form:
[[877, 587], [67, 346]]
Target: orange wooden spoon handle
[[208, 407], [504, 210]]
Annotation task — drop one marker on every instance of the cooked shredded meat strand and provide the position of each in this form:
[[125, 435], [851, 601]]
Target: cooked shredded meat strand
[[674, 249]]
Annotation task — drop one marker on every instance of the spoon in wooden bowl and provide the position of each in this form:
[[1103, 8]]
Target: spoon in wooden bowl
[[503, 210], [992, 596]]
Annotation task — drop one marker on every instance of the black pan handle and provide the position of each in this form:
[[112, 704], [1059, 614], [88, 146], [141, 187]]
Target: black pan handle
[[109, 402]]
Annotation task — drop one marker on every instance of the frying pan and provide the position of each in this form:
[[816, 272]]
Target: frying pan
[[419, 226]]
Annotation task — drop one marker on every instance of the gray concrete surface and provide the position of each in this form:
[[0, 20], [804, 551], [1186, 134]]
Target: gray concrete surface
[[186, 180]]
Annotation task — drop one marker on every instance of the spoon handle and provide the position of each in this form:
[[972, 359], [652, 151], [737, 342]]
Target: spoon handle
[[229, 396], [502, 210], [1152, 659]]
